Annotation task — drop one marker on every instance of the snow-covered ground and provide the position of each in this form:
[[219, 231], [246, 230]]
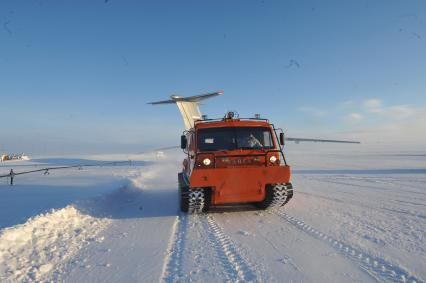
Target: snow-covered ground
[[354, 218]]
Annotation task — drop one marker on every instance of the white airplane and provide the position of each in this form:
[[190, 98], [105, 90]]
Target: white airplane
[[190, 111]]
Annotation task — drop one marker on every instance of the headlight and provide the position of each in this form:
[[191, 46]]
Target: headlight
[[206, 161], [272, 159]]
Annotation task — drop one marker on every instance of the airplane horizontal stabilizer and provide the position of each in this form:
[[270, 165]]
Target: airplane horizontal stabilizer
[[195, 98], [188, 106]]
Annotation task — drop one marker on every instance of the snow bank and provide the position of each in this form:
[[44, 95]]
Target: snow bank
[[29, 251]]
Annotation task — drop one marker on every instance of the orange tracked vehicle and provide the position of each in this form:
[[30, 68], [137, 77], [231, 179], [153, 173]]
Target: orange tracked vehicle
[[231, 160]]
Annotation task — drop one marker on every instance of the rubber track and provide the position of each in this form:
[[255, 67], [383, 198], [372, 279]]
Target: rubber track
[[237, 268], [378, 268]]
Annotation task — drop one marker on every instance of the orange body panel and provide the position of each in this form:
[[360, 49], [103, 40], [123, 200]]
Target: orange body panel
[[239, 184]]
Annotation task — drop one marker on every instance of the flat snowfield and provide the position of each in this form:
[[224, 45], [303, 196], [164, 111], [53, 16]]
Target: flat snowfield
[[354, 218]]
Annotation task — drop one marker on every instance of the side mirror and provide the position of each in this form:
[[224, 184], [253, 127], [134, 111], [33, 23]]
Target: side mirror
[[183, 141], [282, 139]]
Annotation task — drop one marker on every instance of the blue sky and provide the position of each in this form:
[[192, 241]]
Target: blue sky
[[75, 76]]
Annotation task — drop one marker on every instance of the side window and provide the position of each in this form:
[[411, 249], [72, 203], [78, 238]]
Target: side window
[[267, 141]]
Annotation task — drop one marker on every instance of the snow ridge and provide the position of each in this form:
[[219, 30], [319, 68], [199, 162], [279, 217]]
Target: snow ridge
[[239, 270], [378, 268], [30, 251]]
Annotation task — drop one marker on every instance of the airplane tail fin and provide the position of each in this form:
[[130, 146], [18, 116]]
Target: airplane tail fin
[[188, 106]]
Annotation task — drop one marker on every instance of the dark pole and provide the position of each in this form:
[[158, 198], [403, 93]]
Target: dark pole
[[12, 175]]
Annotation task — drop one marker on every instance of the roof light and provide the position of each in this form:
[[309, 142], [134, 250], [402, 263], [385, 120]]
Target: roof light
[[257, 116]]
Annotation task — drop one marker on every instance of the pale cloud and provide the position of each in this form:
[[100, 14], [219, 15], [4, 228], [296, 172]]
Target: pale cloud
[[313, 111], [399, 126], [373, 103], [346, 103], [376, 124], [401, 111], [398, 112], [376, 110], [355, 117]]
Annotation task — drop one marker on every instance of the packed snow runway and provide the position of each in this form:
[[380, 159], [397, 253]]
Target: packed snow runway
[[360, 218]]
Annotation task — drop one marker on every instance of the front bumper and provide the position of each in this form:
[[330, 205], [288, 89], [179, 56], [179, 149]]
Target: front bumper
[[239, 185]]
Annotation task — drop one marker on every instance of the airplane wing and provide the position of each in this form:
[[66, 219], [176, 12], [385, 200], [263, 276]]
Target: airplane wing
[[298, 140], [166, 148]]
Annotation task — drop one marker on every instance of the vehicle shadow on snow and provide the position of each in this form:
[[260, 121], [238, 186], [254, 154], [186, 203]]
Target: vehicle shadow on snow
[[20, 202], [130, 202], [233, 208]]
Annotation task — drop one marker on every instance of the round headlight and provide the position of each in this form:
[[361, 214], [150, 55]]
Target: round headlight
[[272, 159], [207, 161]]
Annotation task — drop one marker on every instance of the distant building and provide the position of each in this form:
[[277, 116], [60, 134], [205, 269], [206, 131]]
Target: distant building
[[7, 157]]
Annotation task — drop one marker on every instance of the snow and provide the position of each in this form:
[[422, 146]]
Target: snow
[[355, 217], [30, 251]]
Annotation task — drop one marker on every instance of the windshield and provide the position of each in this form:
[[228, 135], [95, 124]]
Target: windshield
[[229, 138]]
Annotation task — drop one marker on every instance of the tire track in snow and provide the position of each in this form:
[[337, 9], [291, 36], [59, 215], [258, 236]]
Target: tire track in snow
[[172, 268], [379, 268], [237, 268], [361, 204], [368, 186]]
